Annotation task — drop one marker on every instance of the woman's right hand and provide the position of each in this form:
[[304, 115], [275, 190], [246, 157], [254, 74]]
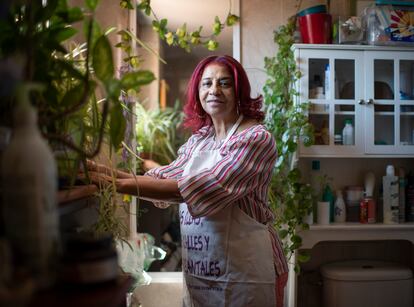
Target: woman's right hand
[[93, 166], [97, 178]]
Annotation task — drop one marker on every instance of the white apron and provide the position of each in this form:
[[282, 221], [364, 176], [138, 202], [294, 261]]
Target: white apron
[[227, 257]]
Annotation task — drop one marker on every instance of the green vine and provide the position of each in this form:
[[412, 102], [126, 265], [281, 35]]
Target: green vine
[[181, 36], [290, 199]]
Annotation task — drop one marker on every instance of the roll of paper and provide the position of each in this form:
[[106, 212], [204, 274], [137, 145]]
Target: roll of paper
[[323, 212]]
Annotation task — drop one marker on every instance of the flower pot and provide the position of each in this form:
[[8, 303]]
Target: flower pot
[[316, 28]]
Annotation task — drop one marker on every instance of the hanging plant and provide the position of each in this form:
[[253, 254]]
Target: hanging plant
[[180, 36], [290, 199]]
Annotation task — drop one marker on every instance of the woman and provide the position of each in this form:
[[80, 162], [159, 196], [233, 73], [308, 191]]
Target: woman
[[231, 253]]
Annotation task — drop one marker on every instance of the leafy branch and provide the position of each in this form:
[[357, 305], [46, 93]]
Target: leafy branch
[[181, 36], [290, 199]]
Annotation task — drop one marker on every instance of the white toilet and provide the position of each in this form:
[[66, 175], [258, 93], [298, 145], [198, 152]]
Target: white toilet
[[367, 283]]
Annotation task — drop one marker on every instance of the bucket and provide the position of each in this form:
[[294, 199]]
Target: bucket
[[316, 28]]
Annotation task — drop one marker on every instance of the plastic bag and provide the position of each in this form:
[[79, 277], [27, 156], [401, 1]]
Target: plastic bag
[[136, 255]]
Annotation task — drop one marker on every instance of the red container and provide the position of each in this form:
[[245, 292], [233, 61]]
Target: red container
[[367, 211], [316, 28]]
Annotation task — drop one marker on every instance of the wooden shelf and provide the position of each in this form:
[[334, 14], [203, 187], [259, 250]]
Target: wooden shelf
[[356, 232], [76, 198], [75, 193]]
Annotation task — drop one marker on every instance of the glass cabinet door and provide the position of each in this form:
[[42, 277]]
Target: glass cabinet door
[[333, 84], [389, 103]]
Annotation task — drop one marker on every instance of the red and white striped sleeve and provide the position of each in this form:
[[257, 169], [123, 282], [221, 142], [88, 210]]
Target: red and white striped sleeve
[[246, 165], [175, 169]]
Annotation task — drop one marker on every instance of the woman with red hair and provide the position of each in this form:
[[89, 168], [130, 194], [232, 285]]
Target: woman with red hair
[[231, 253]]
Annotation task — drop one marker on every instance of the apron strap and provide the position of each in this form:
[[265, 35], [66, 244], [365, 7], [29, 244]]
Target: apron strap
[[233, 129], [229, 135]]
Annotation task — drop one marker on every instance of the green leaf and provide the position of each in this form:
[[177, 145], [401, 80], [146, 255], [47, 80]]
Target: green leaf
[[283, 233], [137, 78], [65, 33], [212, 45], [74, 14], [91, 4], [73, 96], [96, 31], [163, 23], [296, 239], [126, 4], [169, 38], [232, 19], [113, 88], [102, 61], [117, 125], [303, 257], [217, 26]]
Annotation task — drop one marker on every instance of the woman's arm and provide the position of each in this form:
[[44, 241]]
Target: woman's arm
[[151, 189], [144, 187], [103, 169]]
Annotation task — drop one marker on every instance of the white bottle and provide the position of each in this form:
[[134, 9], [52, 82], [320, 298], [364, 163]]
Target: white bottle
[[327, 85], [348, 133], [339, 208], [29, 190], [401, 200], [390, 185]]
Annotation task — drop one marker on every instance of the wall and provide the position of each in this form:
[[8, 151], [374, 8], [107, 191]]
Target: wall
[[259, 18]]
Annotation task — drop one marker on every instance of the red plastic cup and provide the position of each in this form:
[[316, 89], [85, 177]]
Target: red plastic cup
[[316, 28]]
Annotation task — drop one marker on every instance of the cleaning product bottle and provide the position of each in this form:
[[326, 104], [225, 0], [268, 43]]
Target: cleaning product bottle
[[329, 197], [369, 202], [314, 183], [409, 196], [327, 85], [340, 210], [29, 190], [348, 133], [390, 185], [401, 196]]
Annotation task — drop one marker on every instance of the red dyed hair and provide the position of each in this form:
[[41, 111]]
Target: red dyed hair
[[196, 117]]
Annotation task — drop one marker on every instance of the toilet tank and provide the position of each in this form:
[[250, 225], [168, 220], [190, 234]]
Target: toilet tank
[[367, 283]]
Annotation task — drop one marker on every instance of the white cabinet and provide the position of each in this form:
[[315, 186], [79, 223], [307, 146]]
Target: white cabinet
[[370, 86]]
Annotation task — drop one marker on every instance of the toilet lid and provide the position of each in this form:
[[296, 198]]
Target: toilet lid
[[365, 270]]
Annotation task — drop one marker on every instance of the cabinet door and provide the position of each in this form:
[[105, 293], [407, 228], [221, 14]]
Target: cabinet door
[[332, 80], [389, 102]]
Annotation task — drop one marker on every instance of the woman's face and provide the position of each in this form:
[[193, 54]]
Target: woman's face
[[216, 92]]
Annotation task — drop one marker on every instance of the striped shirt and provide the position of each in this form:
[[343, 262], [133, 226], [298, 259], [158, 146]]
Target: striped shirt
[[241, 178]]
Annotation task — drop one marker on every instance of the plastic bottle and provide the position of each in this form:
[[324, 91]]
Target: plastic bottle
[[348, 133], [390, 184], [409, 193], [369, 201], [30, 183], [328, 196], [314, 182], [340, 210], [402, 184], [327, 85]]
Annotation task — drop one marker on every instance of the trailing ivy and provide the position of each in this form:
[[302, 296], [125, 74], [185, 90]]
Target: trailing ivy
[[181, 36], [290, 199]]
